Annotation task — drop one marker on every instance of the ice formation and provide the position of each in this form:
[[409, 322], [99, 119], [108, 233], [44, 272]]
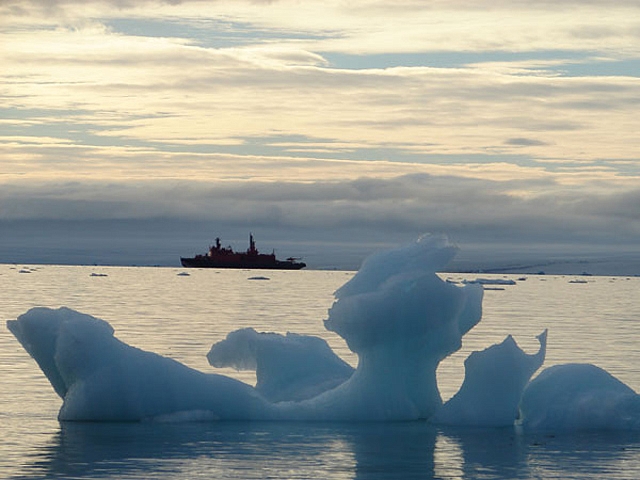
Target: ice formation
[[291, 367], [396, 314], [401, 320], [101, 378], [493, 384], [574, 397]]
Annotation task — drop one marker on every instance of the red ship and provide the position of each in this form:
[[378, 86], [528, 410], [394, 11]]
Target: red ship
[[220, 257]]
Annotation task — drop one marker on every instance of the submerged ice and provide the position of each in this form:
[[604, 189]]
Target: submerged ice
[[396, 314]]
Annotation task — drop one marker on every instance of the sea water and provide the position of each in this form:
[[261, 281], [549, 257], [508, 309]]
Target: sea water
[[181, 313]]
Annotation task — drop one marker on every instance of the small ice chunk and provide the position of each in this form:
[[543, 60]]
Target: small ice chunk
[[492, 281]]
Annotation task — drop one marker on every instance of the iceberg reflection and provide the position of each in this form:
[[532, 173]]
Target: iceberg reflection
[[388, 450]]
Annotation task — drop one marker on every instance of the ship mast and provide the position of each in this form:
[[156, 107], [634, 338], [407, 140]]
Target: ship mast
[[252, 245]]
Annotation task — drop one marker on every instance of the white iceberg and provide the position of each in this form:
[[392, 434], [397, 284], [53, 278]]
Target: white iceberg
[[573, 397], [101, 378], [291, 367], [493, 384], [396, 314]]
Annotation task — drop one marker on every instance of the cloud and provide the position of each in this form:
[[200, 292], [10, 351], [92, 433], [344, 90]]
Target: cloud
[[303, 115], [525, 142], [165, 91], [145, 88], [464, 207], [376, 26]]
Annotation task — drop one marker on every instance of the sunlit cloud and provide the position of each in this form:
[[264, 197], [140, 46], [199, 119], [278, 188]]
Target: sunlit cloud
[[323, 113]]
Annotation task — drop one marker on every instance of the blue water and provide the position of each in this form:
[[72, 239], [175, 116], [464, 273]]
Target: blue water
[[181, 316]]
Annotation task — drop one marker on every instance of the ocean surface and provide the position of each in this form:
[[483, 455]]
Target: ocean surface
[[181, 313]]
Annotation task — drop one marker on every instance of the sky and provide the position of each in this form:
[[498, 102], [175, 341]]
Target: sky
[[137, 131]]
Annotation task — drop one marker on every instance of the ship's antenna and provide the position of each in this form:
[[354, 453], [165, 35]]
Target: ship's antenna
[[252, 244]]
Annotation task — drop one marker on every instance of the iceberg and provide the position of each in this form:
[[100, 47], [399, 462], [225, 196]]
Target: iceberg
[[396, 314], [101, 378], [401, 319], [493, 384], [288, 367], [577, 397]]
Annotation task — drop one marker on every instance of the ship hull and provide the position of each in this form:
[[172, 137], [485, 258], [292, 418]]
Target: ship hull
[[208, 262], [219, 257]]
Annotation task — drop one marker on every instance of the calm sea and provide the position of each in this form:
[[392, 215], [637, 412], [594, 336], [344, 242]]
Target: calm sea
[[596, 320]]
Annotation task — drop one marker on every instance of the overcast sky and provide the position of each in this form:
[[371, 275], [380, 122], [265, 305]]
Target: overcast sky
[[511, 124]]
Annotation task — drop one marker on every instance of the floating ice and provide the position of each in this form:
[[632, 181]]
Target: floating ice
[[574, 397], [493, 384], [102, 379], [402, 320], [492, 281], [291, 367], [396, 314]]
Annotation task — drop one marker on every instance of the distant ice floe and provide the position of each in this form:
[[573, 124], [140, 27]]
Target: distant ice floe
[[396, 314], [491, 281]]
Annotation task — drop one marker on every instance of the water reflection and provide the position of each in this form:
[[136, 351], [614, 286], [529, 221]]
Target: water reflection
[[489, 453], [237, 450], [335, 451], [501, 453]]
